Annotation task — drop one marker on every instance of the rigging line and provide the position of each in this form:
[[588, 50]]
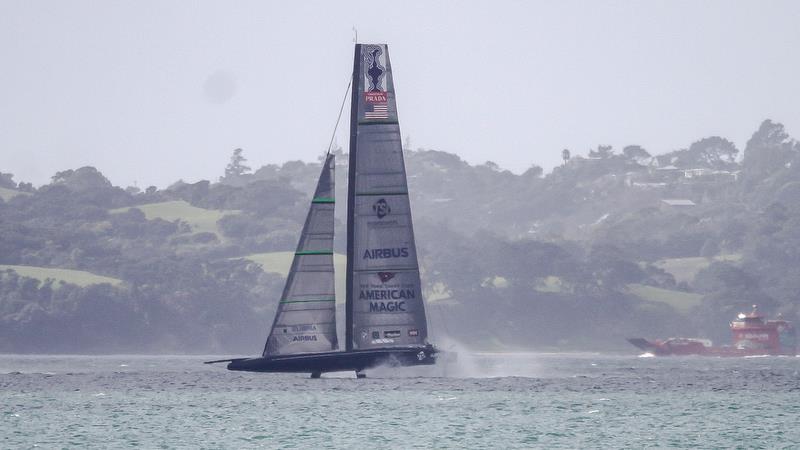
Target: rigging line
[[336, 127]]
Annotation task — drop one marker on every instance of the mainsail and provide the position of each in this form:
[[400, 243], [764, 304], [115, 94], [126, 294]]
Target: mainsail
[[306, 318], [384, 306]]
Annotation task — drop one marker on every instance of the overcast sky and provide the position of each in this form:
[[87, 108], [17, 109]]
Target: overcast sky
[[155, 91]]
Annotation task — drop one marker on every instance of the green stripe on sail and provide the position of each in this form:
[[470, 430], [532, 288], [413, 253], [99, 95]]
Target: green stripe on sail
[[382, 193], [326, 299], [314, 252], [323, 200]]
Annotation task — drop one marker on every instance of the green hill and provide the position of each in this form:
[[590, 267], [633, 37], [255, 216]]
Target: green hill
[[685, 269], [7, 194], [683, 302], [200, 219], [78, 277]]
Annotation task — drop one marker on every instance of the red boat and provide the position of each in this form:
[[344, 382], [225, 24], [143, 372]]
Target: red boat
[[752, 336]]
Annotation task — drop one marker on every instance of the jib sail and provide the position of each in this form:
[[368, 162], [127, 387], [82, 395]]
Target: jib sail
[[306, 318], [384, 297]]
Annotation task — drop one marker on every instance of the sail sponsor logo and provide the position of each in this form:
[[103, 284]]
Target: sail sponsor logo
[[376, 97], [304, 338], [374, 69], [385, 276], [385, 253], [386, 294], [381, 208], [390, 306], [413, 333], [391, 334], [383, 341]]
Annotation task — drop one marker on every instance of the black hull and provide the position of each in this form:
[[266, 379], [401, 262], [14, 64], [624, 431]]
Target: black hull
[[357, 360]]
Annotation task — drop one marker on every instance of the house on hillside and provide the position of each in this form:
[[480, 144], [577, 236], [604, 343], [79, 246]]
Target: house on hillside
[[665, 174], [705, 174], [579, 160]]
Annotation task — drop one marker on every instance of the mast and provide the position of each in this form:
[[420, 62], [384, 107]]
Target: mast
[[351, 186]]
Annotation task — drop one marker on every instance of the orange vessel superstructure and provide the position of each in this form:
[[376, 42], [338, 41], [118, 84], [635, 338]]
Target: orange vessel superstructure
[[752, 335]]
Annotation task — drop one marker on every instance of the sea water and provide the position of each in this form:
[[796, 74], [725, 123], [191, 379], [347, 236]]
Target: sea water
[[522, 400]]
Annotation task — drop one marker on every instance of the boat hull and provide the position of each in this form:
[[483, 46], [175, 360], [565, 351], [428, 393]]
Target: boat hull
[[357, 360]]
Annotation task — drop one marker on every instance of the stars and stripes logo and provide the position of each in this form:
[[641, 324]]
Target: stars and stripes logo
[[376, 111]]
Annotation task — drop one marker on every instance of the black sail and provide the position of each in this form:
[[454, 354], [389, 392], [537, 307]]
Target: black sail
[[305, 321], [384, 297]]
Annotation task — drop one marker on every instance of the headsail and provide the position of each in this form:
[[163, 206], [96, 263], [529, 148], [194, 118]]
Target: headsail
[[384, 296], [306, 319]]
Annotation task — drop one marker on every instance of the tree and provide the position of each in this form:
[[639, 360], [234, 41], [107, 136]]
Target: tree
[[635, 153], [25, 187], [62, 176], [713, 152], [603, 151], [237, 167], [533, 172], [84, 179], [769, 150], [7, 180], [492, 165]]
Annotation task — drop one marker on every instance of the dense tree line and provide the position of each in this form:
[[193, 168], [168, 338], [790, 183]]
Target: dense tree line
[[522, 260]]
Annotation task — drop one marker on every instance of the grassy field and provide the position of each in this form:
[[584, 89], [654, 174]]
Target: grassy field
[[685, 269], [551, 284], [200, 219], [78, 277], [439, 292], [683, 302], [496, 281], [6, 194]]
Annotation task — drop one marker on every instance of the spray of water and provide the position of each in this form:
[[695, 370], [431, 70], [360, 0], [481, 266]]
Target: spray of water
[[457, 360]]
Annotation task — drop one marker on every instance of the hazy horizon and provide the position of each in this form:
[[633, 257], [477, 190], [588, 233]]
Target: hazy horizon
[[121, 85]]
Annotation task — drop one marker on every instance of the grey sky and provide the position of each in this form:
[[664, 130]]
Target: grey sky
[[156, 91]]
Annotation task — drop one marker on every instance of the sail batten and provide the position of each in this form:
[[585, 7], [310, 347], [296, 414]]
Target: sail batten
[[306, 318], [384, 296]]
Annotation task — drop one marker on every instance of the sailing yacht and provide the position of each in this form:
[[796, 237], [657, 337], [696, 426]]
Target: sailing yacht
[[385, 321]]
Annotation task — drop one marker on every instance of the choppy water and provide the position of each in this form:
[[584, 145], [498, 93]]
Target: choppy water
[[489, 401]]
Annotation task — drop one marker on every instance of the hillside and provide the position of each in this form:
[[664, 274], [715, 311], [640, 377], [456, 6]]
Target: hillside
[[611, 244], [201, 220], [76, 277]]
